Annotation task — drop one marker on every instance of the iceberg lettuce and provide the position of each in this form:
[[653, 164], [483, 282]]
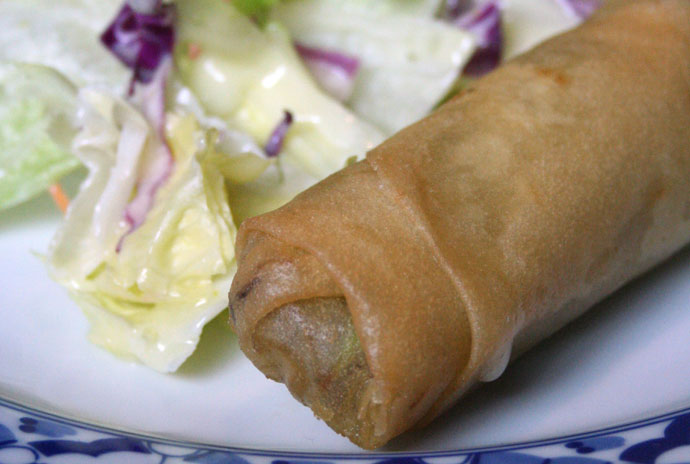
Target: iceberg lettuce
[[149, 294], [402, 75], [47, 50], [249, 76], [37, 109], [64, 36]]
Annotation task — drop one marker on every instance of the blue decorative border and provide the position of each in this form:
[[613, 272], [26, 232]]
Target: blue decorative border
[[29, 436]]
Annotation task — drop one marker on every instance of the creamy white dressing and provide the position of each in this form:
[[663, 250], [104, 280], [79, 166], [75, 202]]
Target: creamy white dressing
[[256, 77]]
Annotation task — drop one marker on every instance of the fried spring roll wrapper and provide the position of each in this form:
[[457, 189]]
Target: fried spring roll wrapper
[[383, 293]]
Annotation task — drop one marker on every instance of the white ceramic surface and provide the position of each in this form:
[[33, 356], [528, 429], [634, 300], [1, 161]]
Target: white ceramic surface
[[626, 360]]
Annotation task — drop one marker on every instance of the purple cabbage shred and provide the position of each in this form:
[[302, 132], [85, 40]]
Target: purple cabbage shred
[[275, 141], [347, 64], [142, 39], [484, 21], [150, 99]]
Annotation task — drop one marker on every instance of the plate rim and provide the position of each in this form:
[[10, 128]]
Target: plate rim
[[349, 456]]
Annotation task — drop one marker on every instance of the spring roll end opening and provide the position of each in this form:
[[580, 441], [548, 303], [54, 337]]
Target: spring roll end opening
[[311, 346]]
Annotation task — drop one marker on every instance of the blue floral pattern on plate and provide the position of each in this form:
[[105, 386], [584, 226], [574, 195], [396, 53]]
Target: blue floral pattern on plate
[[29, 436]]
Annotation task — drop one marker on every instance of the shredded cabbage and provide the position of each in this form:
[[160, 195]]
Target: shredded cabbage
[[142, 40], [151, 298], [402, 75], [484, 22], [249, 76]]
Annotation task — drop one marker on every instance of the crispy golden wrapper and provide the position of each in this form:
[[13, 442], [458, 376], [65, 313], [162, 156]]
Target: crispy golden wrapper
[[384, 292]]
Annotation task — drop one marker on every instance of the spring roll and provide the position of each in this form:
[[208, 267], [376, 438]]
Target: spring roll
[[382, 294]]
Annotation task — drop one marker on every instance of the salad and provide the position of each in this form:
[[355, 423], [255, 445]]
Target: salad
[[191, 115]]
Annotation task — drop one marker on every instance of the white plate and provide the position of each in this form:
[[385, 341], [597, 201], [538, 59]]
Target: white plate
[[606, 385]]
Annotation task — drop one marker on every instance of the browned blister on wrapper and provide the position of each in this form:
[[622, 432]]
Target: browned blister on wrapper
[[383, 293]]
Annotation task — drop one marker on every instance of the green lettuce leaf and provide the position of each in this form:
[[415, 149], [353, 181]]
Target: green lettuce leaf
[[37, 108], [47, 49], [258, 10]]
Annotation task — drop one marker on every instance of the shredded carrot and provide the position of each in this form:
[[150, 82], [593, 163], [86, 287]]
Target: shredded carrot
[[193, 50], [59, 197]]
